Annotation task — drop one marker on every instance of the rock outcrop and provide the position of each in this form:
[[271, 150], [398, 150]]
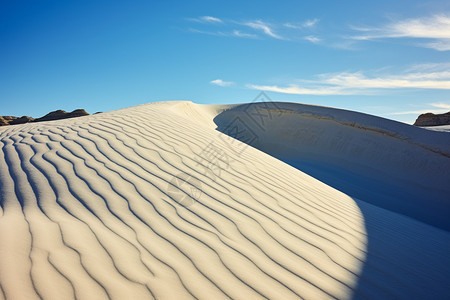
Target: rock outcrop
[[3, 122], [10, 120], [77, 113], [54, 115], [61, 114], [21, 120], [430, 119]]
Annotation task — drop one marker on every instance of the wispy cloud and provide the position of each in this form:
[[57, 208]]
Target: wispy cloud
[[264, 27], [297, 90], [436, 108], [429, 67], [345, 44], [254, 28], [418, 112], [436, 80], [310, 23], [234, 33], [215, 33], [440, 45], [441, 105], [293, 26], [360, 84], [307, 24], [239, 33], [222, 83], [313, 39], [206, 19], [436, 28], [239, 29]]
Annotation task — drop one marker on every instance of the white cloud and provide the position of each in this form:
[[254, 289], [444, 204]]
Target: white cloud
[[240, 29], [414, 80], [419, 112], [441, 108], [359, 84], [206, 32], [345, 45], [430, 67], [429, 75], [264, 27], [312, 39], [243, 34], [441, 105], [293, 26], [222, 83], [440, 45], [235, 33], [310, 23], [307, 24], [206, 19], [436, 27], [297, 90]]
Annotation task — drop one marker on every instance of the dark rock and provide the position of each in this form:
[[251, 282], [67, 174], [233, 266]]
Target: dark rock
[[61, 114], [77, 113], [430, 119], [6, 120], [9, 118], [54, 115], [3, 122], [21, 120]]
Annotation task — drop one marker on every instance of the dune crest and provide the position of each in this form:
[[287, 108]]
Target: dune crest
[[153, 202]]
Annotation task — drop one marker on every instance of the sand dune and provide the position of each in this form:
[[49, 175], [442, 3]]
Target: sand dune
[[152, 202]]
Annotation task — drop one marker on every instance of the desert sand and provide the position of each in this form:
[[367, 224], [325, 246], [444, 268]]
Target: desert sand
[[157, 202]]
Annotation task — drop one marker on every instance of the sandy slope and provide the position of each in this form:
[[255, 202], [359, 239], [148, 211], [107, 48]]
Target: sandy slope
[[153, 202]]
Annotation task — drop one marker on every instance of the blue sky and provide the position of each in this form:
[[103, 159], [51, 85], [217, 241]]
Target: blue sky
[[387, 58]]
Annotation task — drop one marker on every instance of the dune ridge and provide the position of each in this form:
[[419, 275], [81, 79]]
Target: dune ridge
[[90, 209]]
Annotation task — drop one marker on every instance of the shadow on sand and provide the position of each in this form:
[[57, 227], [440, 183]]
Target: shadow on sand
[[406, 258]]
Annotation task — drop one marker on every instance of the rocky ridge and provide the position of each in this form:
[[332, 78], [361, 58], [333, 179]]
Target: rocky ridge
[[51, 116]]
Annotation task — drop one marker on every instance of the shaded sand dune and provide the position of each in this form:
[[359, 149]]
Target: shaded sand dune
[[152, 202], [390, 164]]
